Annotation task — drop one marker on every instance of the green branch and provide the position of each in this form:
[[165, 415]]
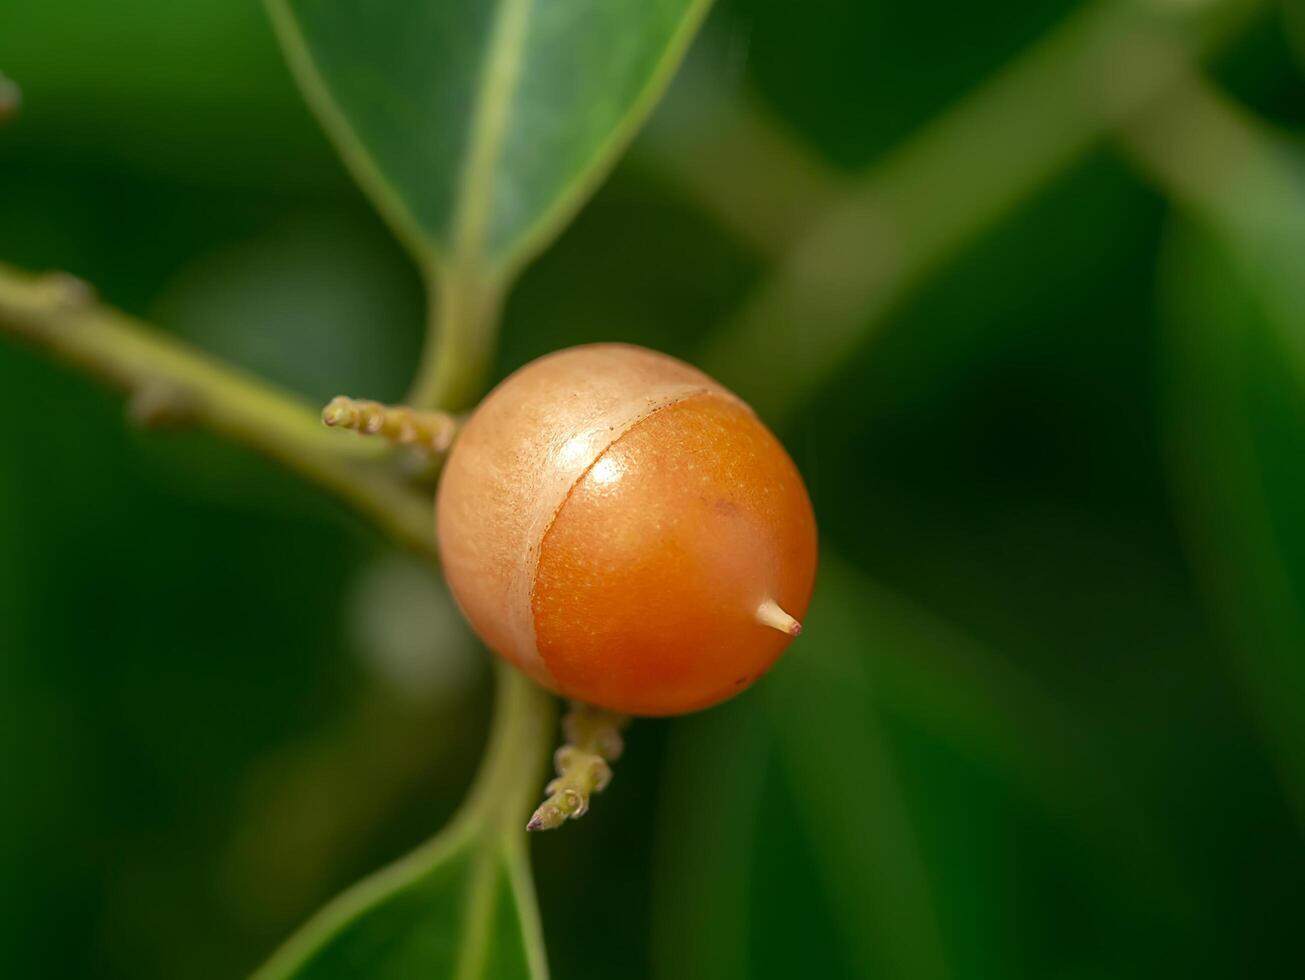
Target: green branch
[[1206, 151], [168, 381]]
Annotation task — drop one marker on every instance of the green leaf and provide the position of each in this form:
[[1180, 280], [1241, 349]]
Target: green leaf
[[460, 911], [463, 905], [479, 126]]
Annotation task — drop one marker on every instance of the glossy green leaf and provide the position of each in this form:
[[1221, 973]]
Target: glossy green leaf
[[463, 905], [479, 126]]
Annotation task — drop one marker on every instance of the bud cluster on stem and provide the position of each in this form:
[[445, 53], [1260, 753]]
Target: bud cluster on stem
[[433, 431], [593, 741]]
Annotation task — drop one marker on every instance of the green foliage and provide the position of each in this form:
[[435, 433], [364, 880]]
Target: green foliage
[[824, 744], [462, 906], [1045, 717], [479, 128], [460, 910], [856, 817]]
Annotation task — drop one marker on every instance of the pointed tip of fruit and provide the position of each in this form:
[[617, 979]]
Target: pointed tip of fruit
[[771, 614]]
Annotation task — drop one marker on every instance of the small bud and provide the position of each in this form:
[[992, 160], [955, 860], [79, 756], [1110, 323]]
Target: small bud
[[340, 412]]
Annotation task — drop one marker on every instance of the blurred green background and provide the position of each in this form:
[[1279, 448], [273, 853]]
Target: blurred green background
[[1046, 720]]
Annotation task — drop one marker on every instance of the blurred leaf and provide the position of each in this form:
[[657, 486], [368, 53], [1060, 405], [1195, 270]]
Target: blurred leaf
[[1295, 14], [308, 813], [927, 678], [479, 128], [196, 91], [463, 905], [905, 217], [320, 303], [1235, 422], [867, 654], [942, 682], [868, 657], [710, 795], [409, 633], [842, 775], [1246, 180]]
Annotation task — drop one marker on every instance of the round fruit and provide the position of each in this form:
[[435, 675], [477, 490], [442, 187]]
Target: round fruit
[[626, 531]]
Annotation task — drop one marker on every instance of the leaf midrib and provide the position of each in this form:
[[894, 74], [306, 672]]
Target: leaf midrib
[[477, 904], [488, 126]]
